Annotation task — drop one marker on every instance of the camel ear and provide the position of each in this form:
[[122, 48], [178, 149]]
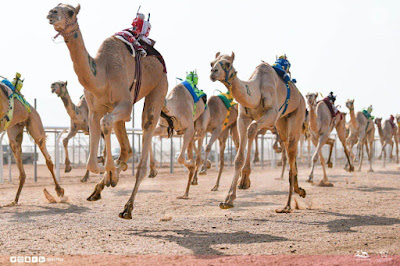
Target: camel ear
[[66, 82], [233, 56], [77, 8], [217, 54]]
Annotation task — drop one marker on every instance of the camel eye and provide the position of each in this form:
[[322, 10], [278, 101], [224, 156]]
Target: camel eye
[[70, 13], [228, 65]]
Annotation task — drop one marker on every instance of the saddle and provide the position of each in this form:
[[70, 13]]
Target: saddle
[[229, 104], [131, 43], [8, 117], [196, 94], [328, 103]]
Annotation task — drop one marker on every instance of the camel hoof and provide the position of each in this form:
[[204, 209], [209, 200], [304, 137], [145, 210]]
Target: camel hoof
[[84, 179], [287, 209], [208, 164], [153, 174], [125, 214], [214, 188], [310, 180], [203, 172], [183, 197], [279, 178], [330, 165], [279, 163], [325, 184], [11, 204], [370, 171], [194, 182], [60, 192], [244, 182], [225, 205], [351, 169], [302, 192], [68, 169], [256, 160], [95, 196]]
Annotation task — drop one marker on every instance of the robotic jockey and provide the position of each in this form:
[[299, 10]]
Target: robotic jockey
[[282, 66], [141, 28]]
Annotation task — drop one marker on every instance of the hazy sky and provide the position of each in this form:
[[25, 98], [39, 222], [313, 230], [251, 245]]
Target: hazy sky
[[349, 47]]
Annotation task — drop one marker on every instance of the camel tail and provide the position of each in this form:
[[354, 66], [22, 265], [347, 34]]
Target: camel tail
[[170, 121]]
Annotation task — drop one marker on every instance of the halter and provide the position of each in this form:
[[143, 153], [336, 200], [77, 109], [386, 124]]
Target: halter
[[228, 79], [63, 93], [66, 26]]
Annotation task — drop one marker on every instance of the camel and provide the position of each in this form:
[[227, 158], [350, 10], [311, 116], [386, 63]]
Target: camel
[[14, 118], [108, 80], [321, 125], [263, 103], [222, 122], [387, 135], [79, 119], [188, 121], [362, 133]]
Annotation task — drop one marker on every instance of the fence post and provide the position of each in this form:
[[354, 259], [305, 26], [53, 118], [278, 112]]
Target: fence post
[[35, 155], [133, 140], [262, 151], [171, 163], [161, 150]]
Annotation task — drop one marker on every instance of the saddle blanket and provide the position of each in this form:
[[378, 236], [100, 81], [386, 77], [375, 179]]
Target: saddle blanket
[[195, 92], [228, 101]]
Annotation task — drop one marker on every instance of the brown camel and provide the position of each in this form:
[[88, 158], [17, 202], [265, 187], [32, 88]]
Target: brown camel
[[387, 135], [189, 121], [107, 80], [263, 103], [322, 124], [19, 117], [362, 133], [223, 121], [79, 119]]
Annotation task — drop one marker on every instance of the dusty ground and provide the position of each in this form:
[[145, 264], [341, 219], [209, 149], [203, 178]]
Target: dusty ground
[[344, 219]]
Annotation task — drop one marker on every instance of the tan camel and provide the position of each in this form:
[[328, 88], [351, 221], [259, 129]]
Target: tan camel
[[19, 117], [79, 119], [221, 123], [263, 103], [387, 135], [362, 133], [107, 80], [188, 121], [321, 125]]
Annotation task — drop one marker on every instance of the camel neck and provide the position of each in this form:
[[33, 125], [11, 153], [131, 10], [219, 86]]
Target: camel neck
[[313, 119], [245, 92], [380, 131], [84, 65], [69, 105], [353, 119]]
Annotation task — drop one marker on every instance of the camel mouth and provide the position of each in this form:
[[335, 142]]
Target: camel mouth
[[213, 79]]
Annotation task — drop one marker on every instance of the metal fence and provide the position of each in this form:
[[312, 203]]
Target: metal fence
[[165, 150]]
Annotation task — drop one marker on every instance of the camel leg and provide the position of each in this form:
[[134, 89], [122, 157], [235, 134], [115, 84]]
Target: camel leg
[[301, 148], [321, 142], [15, 135], [341, 131], [256, 154], [187, 137], [121, 113], [151, 113], [384, 153], [125, 151], [284, 161], [191, 169], [291, 137], [153, 170], [243, 123], [331, 144], [72, 132], [94, 138], [35, 128], [214, 135], [324, 182], [266, 121], [222, 142], [397, 150], [200, 138]]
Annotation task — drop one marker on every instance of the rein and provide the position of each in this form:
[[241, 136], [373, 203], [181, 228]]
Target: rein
[[62, 33], [228, 79]]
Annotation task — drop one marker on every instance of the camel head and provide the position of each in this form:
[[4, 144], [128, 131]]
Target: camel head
[[350, 104], [378, 121], [312, 99], [59, 88], [222, 68], [398, 118], [63, 16]]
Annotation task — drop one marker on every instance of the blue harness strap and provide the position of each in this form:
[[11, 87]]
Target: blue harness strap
[[286, 103], [191, 90]]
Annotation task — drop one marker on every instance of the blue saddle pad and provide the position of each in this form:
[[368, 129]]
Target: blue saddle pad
[[8, 84], [197, 95]]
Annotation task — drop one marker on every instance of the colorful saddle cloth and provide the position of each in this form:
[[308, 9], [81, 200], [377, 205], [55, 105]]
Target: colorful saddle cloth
[[368, 115], [227, 99], [229, 103], [197, 94], [11, 96]]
